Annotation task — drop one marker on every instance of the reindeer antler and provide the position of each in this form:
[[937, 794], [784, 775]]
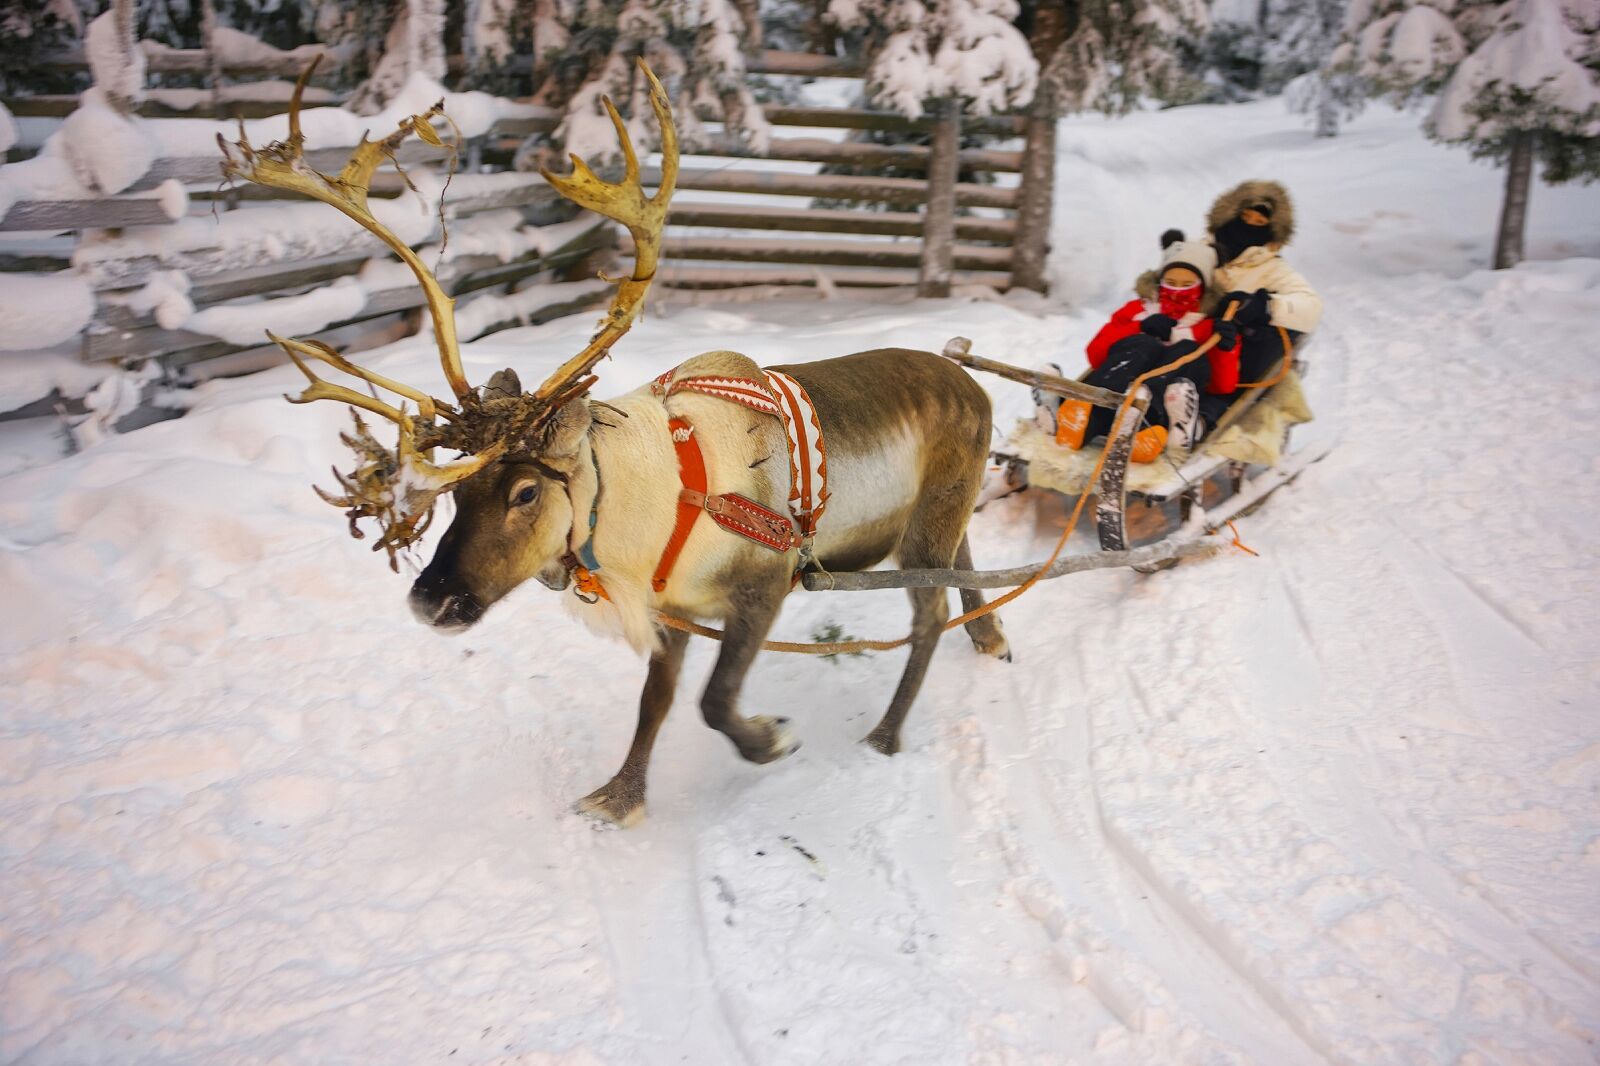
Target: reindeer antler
[[398, 488], [627, 204]]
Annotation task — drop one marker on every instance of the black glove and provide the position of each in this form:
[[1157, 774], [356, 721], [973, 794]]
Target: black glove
[[1158, 326], [1252, 307], [1227, 334]]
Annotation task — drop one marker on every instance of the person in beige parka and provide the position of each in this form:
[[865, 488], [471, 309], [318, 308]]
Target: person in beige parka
[[1250, 224]]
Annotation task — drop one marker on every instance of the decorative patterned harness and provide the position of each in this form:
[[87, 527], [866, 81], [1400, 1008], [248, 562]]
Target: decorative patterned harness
[[780, 396]]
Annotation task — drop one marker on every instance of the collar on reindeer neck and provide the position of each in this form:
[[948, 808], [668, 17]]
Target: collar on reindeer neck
[[581, 563]]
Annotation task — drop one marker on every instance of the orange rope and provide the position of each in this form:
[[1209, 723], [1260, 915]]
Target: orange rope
[[1237, 543], [1283, 367], [849, 647]]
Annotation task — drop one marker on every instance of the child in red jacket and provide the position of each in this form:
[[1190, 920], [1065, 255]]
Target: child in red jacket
[[1168, 321]]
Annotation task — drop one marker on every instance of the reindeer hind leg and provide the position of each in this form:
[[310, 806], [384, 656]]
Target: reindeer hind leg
[[932, 539], [986, 632]]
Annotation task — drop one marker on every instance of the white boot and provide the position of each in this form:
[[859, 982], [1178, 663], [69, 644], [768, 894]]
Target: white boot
[[1046, 404], [1182, 399]]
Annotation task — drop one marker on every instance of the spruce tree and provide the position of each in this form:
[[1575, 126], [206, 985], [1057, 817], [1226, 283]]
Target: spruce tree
[[1301, 38], [1119, 52], [584, 49], [1101, 55], [920, 51], [1517, 81]]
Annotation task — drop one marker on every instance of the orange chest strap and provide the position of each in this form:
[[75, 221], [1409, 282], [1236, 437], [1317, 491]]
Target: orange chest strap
[[730, 511]]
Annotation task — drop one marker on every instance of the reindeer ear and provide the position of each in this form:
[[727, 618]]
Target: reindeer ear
[[505, 382], [567, 429]]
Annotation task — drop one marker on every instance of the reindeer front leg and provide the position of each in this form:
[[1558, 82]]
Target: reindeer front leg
[[621, 800], [763, 738]]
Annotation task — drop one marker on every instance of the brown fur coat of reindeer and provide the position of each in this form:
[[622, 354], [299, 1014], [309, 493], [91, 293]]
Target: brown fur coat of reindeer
[[906, 433]]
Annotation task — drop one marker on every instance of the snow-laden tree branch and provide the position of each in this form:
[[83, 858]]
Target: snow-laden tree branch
[[1117, 54], [415, 45], [966, 49]]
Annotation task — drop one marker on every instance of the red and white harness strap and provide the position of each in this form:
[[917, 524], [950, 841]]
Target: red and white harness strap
[[782, 397], [808, 456]]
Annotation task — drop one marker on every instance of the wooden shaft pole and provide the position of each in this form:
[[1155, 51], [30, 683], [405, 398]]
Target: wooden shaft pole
[[1171, 548], [957, 351]]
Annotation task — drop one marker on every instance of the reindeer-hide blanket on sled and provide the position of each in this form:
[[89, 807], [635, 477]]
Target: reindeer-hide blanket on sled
[[1257, 437]]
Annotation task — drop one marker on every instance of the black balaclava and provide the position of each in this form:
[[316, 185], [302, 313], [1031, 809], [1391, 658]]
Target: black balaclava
[[1235, 235]]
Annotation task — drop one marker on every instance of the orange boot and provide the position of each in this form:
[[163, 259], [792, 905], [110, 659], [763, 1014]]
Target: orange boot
[[1148, 444], [1072, 421]]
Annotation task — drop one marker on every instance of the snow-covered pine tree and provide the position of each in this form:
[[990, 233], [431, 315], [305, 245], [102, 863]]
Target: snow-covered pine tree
[[175, 23], [1297, 36], [1226, 60], [490, 34], [1301, 36], [285, 24], [921, 50], [414, 45], [1102, 55], [1116, 54], [583, 51], [1517, 80], [30, 30]]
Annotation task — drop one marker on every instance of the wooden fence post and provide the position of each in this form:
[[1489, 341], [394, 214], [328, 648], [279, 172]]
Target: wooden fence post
[[939, 214], [1032, 245]]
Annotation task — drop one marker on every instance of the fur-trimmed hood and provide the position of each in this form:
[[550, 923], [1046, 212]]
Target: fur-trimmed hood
[[1228, 205]]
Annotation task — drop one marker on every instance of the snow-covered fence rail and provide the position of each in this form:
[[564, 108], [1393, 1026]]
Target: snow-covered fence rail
[[149, 276], [974, 247], [906, 192], [228, 315]]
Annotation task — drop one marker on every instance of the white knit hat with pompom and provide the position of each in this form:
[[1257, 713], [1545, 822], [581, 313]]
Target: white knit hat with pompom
[[1198, 256]]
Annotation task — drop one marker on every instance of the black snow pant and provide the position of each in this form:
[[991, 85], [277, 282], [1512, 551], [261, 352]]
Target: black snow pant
[[1260, 348], [1132, 356]]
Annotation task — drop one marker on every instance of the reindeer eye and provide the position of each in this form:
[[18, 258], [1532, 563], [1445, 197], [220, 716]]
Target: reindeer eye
[[527, 494]]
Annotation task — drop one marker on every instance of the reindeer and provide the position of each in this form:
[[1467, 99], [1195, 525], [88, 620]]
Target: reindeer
[[556, 486]]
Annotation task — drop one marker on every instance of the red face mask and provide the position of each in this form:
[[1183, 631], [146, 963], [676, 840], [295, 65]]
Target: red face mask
[[1175, 303]]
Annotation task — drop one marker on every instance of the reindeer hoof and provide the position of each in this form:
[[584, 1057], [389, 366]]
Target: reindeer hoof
[[989, 639], [883, 742], [612, 806], [774, 739], [999, 647]]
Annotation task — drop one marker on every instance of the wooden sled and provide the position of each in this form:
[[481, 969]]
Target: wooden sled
[[1248, 450], [1253, 435]]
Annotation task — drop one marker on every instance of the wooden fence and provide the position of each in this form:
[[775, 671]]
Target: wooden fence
[[918, 236]]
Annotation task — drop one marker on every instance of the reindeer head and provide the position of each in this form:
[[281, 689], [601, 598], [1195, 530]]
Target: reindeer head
[[518, 451]]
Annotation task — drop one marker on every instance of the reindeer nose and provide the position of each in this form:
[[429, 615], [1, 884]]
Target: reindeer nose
[[444, 610]]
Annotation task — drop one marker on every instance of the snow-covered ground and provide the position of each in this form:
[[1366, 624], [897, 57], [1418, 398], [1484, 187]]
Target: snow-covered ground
[[1333, 803]]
